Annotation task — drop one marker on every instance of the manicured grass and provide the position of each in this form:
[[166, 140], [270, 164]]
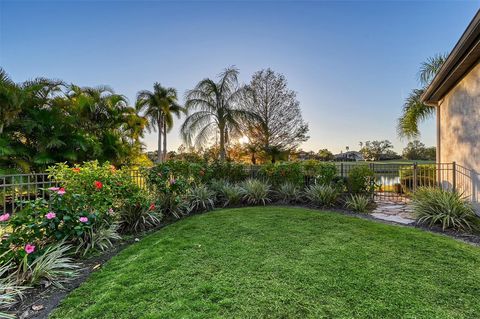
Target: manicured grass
[[277, 262]]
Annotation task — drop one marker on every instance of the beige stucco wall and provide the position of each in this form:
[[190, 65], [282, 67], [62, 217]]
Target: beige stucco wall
[[459, 128]]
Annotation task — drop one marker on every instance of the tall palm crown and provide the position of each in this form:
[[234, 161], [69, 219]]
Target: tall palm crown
[[159, 107], [414, 111], [217, 112]]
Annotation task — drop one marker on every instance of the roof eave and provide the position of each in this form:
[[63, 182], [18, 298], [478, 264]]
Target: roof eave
[[463, 57]]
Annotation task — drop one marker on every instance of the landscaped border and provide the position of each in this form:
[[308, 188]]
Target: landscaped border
[[50, 297]]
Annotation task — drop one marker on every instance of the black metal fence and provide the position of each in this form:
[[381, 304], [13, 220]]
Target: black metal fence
[[393, 181], [398, 181], [15, 189]]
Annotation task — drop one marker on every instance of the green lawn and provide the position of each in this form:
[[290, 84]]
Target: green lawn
[[277, 262]]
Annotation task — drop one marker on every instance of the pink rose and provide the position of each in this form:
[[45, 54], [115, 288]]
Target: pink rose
[[29, 248], [53, 189], [61, 191], [50, 215], [4, 217], [83, 219]]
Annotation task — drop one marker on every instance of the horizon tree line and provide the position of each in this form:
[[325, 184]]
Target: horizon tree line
[[44, 121]]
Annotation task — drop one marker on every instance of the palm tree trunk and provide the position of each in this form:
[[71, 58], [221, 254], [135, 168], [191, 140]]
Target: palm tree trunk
[[164, 140], [222, 141], [159, 150]]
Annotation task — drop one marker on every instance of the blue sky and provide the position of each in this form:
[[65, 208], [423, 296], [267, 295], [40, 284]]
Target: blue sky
[[351, 63]]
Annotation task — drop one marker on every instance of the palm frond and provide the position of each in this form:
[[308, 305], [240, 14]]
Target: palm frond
[[429, 68], [414, 111]]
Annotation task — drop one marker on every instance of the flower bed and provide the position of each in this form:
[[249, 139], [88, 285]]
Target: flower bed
[[96, 204]]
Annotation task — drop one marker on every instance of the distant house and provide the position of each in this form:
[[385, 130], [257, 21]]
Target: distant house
[[455, 92], [349, 156]]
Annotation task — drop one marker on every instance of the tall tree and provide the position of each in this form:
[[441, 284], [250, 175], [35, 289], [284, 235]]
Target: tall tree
[[416, 150], [374, 150], [325, 155], [216, 111], [278, 125], [45, 121], [169, 110], [158, 107], [414, 111]]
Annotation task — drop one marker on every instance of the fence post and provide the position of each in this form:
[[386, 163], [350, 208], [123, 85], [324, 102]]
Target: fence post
[[341, 170], [454, 176], [415, 166]]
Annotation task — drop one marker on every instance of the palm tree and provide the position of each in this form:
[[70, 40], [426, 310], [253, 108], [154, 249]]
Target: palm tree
[[10, 100], [170, 109], [217, 111], [112, 126], [414, 111], [159, 106]]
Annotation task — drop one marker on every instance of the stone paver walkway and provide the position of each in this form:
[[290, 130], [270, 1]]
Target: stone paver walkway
[[394, 210]]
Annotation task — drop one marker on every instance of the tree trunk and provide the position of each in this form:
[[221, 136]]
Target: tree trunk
[[159, 150], [222, 141], [164, 140], [273, 158], [254, 159]]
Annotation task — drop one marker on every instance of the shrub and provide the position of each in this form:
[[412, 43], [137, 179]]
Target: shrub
[[10, 291], [197, 172], [322, 195], [288, 193], [361, 180], [171, 189], [173, 204], [435, 206], [281, 172], [138, 214], [358, 203], [52, 265], [256, 192], [324, 173], [101, 237], [101, 186], [229, 171], [231, 194], [216, 186], [201, 198], [41, 223]]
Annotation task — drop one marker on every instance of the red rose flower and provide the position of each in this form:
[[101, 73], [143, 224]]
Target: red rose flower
[[98, 185], [152, 206]]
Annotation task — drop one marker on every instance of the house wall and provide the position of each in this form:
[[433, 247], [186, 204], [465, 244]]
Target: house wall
[[459, 131]]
